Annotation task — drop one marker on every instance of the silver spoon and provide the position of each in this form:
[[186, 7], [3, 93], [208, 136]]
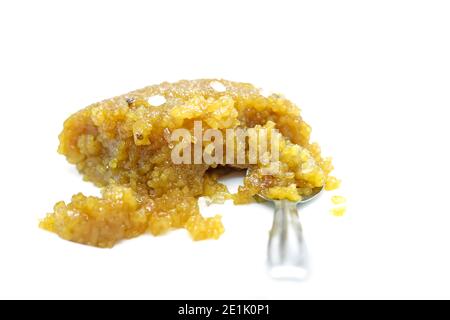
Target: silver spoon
[[287, 255]]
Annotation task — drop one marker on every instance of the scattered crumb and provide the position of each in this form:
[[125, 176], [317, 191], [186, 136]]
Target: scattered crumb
[[332, 183], [338, 211], [338, 199]]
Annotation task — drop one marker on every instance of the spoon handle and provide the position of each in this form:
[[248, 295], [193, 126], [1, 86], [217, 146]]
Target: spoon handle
[[287, 254]]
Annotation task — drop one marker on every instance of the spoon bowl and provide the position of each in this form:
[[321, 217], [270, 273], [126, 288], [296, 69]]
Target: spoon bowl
[[305, 199]]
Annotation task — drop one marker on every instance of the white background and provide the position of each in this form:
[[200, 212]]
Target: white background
[[372, 78]]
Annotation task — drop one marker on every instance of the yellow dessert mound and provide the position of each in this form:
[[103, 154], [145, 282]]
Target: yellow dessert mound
[[123, 146]]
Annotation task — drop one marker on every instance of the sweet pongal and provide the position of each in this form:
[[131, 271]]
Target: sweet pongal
[[123, 146]]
